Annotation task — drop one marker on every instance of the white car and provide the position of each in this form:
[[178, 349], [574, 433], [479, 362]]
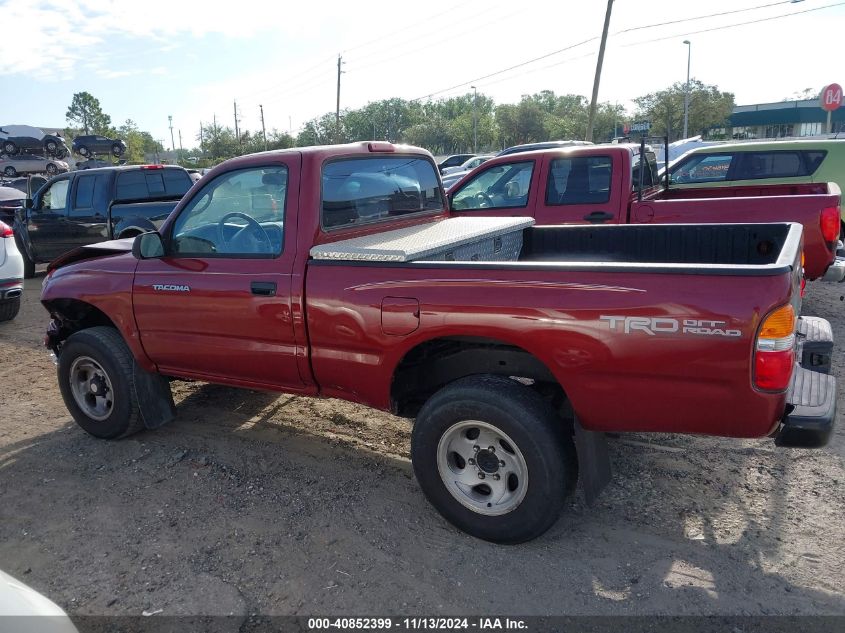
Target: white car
[[11, 274], [467, 165], [23, 610]]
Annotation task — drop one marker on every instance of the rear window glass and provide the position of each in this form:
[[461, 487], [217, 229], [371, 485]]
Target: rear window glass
[[778, 164], [152, 183], [361, 190], [579, 180]]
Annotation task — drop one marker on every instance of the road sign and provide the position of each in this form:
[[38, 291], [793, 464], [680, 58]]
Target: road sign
[[831, 97]]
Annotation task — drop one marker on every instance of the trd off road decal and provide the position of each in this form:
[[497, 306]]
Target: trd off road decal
[[171, 288], [663, 325]]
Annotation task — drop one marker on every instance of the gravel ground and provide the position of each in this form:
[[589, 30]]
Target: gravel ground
[[254, 503]]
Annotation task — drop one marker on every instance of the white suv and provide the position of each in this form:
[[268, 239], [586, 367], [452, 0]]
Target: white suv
[[11, 274]]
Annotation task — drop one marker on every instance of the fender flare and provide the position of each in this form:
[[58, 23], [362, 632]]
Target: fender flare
[[139, 224]]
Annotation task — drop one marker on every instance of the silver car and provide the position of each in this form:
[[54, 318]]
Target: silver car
[[25, 164]]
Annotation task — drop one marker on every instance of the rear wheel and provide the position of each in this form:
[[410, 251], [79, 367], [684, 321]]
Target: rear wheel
[[51, 147], [117, 150], [493, 458], [83, 150], [10, 148], [10, 171], [52, 169], [96, 378], [9, 308]]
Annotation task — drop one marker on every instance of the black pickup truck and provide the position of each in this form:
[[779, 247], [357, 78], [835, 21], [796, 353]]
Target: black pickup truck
[[94, 205]]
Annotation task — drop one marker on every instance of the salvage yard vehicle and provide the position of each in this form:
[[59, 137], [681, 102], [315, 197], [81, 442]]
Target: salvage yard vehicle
[[48, 144], [762, 163], [11, 274], [93, 205], [12, 166], [338, 272], [599, 184], [94, 144]]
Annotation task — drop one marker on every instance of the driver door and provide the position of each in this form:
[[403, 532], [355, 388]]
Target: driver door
[[502, 189], [217, 305]]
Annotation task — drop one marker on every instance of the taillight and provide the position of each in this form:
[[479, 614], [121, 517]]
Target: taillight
[[830, 224], [6, 230], [774, 357]]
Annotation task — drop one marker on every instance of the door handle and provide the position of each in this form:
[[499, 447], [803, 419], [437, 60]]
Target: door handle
[[597, 217], [263, 288]]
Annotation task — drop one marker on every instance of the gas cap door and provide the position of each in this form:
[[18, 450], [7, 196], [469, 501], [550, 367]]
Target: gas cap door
[[399, 315]]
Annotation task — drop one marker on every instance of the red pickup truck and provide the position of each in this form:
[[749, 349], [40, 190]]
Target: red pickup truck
[[599, 184], [337, 271]]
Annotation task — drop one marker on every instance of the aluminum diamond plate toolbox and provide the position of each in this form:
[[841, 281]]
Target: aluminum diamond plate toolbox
[[459, 239]]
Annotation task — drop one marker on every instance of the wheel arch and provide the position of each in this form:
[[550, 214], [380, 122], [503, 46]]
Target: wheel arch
[[73, 315], [130, 227], [436, 362]]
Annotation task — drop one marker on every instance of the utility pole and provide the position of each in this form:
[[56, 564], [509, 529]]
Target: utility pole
[[337, 110], [202, 149], [592, 118], [237, 132], [214, 139], [172, 144], [474, 120], [263, 129], [686, 90]]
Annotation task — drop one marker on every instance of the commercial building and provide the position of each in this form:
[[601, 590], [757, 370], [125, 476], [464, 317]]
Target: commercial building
[[780, 120]]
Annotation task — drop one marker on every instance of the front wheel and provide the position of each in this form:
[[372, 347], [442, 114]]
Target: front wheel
[[52, 169], [493, 458], [96, 378], [10, 148], [10, 171], [117, 150], [83, 151]]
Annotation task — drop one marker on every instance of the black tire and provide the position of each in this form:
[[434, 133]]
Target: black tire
[[50, 147], [83, 151], [9, 308], [28, 264], [10, 171], [52, 169], [117, 150], [10, 148], [539, 435], [106, 347]]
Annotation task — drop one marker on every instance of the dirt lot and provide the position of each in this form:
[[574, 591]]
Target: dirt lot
[[253, 503]]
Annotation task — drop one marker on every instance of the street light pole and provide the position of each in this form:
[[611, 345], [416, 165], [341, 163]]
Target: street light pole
[[172, 142], [474, 120], [686, 91]]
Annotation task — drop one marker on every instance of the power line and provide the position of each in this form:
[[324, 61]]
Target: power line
[[504, 70], [702, 17], [731, 26], [587, 41]]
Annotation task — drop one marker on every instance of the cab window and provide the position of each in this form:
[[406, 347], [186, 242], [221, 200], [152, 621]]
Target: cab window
[[55, 197], [579, 180], [505, 185], [703, 168], [238, 214]]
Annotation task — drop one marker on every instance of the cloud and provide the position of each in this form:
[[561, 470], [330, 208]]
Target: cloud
[[107, 32]]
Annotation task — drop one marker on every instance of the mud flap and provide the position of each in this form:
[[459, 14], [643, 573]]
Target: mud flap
[[154, 398], [593, 462]]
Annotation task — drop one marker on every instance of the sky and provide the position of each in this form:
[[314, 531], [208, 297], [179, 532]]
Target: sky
[[192, 60]]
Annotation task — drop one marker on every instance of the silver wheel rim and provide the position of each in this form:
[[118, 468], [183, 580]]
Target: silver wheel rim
[[51, 146], [51, 169], [482, 468], [91, 388]]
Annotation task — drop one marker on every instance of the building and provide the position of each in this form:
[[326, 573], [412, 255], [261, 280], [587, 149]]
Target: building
[[782, 119]]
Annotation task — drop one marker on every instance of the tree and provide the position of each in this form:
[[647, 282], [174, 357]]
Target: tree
[[86, 113], [708, 108]]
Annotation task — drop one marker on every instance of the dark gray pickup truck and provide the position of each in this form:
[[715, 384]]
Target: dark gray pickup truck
[[94, 205]]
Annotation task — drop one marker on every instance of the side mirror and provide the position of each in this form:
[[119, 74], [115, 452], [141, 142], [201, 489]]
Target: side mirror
[[148, 246]]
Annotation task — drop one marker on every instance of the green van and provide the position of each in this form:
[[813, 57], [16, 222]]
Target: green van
[[758, 163]]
